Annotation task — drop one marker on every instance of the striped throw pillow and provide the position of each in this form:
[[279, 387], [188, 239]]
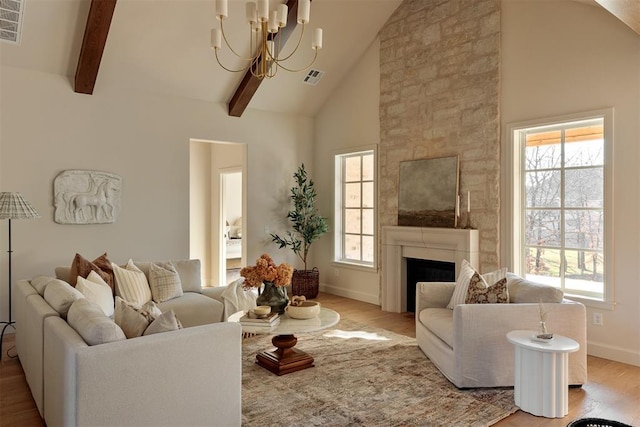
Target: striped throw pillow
[[131, 284]]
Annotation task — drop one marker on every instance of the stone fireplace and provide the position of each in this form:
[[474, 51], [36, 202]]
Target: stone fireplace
[[437, 244]]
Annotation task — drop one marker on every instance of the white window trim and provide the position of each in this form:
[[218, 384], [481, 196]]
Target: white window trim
[[338, 226], [512, 196]]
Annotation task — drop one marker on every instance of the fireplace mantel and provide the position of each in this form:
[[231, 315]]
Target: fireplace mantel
[[437, 244]]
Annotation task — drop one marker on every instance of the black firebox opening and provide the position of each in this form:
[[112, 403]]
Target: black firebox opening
[[423, 270]]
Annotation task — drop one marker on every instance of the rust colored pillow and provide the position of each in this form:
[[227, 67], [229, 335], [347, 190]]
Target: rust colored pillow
[[82, 267], [480, 293]]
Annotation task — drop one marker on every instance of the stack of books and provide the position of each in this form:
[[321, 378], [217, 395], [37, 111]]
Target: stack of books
[[268, 321]]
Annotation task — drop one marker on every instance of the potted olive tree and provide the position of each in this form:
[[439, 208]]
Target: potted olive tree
[[307, 226]]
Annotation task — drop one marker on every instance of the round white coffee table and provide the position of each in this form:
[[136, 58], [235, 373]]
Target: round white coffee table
[[542, 373], [286, 359]]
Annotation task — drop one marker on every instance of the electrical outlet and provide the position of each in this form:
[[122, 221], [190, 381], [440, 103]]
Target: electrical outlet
[[597, 319]]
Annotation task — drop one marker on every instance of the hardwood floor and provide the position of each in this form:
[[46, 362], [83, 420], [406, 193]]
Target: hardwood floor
[[613, 390]]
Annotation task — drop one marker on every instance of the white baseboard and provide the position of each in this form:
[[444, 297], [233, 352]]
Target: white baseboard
[[617, 354], [349, 293]]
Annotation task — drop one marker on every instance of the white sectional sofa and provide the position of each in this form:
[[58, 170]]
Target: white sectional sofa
[[468, 343], [187, 377]]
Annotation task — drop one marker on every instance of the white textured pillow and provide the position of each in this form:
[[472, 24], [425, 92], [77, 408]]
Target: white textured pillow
[[462, 284], [132, 321], [131, 284], [40, 283], [96, 290], [60, 295], [164, 282], [494, 276], [166, 322], [90, 322]]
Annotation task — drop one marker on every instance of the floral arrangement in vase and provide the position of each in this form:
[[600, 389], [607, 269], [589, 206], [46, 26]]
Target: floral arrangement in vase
[[274, 277], [266, 270]]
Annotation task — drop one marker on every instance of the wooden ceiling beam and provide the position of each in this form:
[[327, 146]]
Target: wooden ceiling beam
[[93, 43], [250, 83], [628, 11]]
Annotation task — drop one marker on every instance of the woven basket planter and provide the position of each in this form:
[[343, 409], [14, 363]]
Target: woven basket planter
[[306, 283]]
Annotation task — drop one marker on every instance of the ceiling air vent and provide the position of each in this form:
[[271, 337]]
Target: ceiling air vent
[[11, 12], [313, 77]]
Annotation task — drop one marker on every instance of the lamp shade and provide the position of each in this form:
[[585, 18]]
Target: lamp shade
[[14, 206]]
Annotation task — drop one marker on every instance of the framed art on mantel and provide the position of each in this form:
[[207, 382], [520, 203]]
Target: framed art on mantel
[[427, 193]]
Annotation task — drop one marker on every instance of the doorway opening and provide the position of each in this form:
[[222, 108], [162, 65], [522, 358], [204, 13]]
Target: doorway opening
[[231, 221], [217, 209]]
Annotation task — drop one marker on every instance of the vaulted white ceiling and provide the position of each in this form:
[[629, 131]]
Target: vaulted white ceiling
[[163, 46]]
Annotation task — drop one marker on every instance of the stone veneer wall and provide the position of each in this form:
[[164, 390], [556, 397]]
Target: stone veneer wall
[[440, 96]]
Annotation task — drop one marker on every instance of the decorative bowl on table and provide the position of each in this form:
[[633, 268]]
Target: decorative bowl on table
[[262, 310], [305, 310]]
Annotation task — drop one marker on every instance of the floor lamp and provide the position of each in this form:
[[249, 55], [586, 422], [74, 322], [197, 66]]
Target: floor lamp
[[13, 206]]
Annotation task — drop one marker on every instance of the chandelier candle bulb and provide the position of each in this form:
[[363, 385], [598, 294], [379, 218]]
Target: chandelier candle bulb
[[271, 49], [304, 7], [252, 14], [317, 39], [222, 9], [263, 10], [283, 11], [216, 38], [273, 22]]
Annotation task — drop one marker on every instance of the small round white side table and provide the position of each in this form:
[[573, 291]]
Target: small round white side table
[[542, 373]]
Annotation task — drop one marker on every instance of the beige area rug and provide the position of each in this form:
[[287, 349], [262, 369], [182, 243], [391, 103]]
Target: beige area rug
[[362, 376]]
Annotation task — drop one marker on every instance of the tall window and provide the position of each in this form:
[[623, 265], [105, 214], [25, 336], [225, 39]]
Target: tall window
[[354, 208], [561, 213]]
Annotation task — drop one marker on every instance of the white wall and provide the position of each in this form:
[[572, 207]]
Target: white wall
[[200, 206], [565, 57], [349, 120], [46, 128]]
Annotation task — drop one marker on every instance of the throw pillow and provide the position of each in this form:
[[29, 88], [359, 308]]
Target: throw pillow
[[98, 291], [462, 284], [82, 267], [40, 283], [189, 272], [525, 291], [60, 295], [166, 322], [90, 322], [164, 282], [131, 284], [132, 320], [479, 293]]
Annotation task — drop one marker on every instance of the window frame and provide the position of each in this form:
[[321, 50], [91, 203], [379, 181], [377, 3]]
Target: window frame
[[339, 208], [514, 203]]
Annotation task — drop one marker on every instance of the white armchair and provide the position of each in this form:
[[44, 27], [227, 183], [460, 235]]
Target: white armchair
[[468, 344]]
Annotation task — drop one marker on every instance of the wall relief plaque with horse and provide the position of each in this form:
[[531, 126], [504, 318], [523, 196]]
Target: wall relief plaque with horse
[[87, 197]]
